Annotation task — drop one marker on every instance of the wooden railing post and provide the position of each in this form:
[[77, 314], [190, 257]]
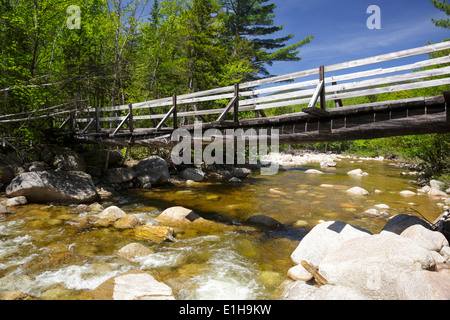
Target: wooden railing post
[[71, 121], [130, 117], [323, 104], [97, 122], [174, 105], [338, 102], [236, 102]]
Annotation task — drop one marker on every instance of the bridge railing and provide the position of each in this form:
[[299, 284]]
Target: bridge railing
[[309, 87]]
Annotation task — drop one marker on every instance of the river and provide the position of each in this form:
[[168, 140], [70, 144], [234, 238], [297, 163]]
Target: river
[[44, 253]]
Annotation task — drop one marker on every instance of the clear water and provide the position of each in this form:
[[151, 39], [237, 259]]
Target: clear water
[[46, 254]]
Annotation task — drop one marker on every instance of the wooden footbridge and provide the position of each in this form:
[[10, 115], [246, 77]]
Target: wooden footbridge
[[314, 99]]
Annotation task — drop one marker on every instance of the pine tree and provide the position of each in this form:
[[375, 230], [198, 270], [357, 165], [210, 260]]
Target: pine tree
[[254, 20], [445, 7]]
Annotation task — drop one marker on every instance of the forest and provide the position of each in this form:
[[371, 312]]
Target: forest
[[115, 52]]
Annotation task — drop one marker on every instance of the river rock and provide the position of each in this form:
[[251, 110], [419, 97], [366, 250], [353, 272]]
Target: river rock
[[313, 171], [16, 295], [178, 215], [358, 191], [300, 290], [54, 186], [14, 282], [130, 221], [16, 201], [133, 285], [193, 174], [112, 213], [263, 222], [436, 184], [445, 252], [8, 169], [69, 160], [371, 264], [299, 273], [357, 172], [153, 169], [97, 157], [431, 240], [407, 193], [4, 210], [423, 285], [37, 166], [156, 234], [241, 173], [323, 239], [119, 175], [134, 250], [400, 222], [434, 192]]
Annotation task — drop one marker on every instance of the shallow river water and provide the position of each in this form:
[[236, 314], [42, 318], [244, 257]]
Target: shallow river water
[[43, 251]]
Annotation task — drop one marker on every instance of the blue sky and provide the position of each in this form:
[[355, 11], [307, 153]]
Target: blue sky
[[341, 33]]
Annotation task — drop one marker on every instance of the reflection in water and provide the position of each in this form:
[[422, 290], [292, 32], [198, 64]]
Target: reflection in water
[[47, 244]]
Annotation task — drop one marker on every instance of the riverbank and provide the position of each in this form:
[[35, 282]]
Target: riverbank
[[237, 241]]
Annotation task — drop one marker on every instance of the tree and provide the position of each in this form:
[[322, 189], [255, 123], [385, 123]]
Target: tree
[[445, 7], [254, 20]]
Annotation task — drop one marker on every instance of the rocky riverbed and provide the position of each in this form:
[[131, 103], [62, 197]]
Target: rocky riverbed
[[378, 252]]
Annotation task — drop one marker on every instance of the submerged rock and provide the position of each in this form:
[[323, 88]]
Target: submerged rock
[[156, 234], [134, 250], [54, 187], [263, 222]]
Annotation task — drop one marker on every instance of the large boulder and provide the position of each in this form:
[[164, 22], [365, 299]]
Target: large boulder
[[152, 170], [323, 239], [372, 264], [423, 285], [133, 285], [300, 290], [64, 187], [431, 240]]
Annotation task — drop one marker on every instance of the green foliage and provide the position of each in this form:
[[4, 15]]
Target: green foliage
[[444, 7]]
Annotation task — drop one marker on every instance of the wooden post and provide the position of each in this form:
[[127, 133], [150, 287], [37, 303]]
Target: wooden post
[[322, 93], [130, 118], [154, 124], [338, 102], [236, 102], [447, 104], [71, 120], [174, 104], [97, 122]]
